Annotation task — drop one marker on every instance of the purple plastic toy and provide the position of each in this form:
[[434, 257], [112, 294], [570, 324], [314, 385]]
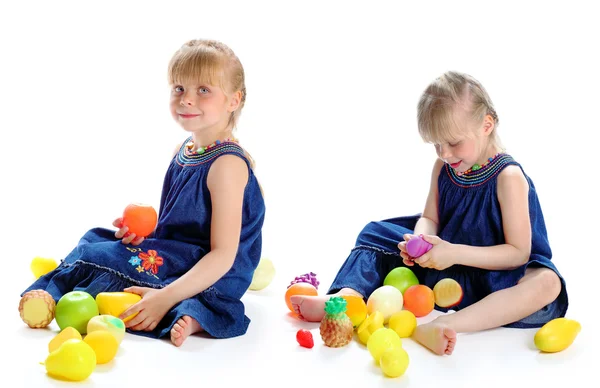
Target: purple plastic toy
[[416, 247]]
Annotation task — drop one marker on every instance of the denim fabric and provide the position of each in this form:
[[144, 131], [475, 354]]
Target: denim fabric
[[467, 215], [101, 263]]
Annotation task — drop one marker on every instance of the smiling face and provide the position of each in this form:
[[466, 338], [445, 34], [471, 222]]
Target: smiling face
[[199, 107]]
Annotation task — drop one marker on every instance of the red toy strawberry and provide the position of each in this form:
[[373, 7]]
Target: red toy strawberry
[[305, 338]]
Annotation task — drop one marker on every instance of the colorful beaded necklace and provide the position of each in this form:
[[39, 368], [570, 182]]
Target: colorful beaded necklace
[[190, 144], [477, 167]]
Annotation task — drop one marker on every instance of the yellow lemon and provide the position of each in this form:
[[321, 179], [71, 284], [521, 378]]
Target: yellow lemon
[[403, 323], [382, 340], [394, 362], [66, 334], [105, 345], [42, 265], [556, 335], [373, 322]]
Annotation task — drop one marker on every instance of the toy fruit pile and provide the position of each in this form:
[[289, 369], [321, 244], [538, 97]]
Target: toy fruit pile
[[90, 330]]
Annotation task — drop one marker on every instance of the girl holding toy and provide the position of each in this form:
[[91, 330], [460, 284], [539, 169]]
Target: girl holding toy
[[199, 261], [482, 217]]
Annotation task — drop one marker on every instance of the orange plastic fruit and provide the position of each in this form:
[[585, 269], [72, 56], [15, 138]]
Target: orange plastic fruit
[[301, 288], [140, 219], [419, 300], [356, 309]]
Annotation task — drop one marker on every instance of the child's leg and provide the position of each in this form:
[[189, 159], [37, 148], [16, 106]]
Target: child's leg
[[536, 289], [184, 327], [376, 253], [312, 308]]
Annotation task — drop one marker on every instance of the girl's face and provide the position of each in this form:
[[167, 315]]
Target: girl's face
[[201, 107], [469, 146]]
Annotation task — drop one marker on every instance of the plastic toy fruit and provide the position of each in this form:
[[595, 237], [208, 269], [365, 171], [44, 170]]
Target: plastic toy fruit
[[66, 334], [556, 335], [41, 266], [73, 360], [356, 309], [141, 219], [382, 340], [336, 328], [263, 274], [104, 344], [394, 362], [403, 323], [419, 300], [75, 309], [401, 278], [113, 325], [447, 293], [385, 299], [305, 338], [115, 303], [417, 247], [299, 289], [370, 325], [37, 308]]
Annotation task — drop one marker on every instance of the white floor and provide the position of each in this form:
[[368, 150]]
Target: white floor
[[330, 120]]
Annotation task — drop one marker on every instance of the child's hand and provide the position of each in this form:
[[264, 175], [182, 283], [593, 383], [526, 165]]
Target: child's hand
[[439, 257], [151, 309], [406, 258], [122, 233]]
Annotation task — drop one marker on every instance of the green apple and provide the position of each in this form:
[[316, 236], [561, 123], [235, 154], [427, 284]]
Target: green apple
[[113, 325], [75, 309], [401, 278]]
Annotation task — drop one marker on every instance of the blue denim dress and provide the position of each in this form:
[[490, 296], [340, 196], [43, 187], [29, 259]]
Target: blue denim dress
[[101, 263], [469, 213]]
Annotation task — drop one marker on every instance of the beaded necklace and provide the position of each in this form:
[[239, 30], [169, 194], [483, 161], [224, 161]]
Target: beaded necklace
[[477, 167], [190, 144]]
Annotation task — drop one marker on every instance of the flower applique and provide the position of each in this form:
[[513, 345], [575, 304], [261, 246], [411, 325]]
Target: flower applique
[[146, 262]]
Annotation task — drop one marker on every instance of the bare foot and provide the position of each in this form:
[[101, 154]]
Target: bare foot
[[183, 328], [309, 308], [437, 336]]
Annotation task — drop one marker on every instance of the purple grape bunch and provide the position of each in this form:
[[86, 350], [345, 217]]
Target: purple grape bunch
[[310, 277]]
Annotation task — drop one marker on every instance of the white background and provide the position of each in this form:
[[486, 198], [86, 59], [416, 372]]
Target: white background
[[330, 119]]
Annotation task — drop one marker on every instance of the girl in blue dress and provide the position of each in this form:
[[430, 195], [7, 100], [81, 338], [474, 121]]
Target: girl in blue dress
[[198, 263], [482, 216]]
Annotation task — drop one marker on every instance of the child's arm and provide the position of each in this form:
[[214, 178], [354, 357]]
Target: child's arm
[[513, 191], [226, 181], [428, 223]]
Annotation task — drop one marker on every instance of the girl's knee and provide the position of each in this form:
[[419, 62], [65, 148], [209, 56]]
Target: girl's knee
[[549, 283]]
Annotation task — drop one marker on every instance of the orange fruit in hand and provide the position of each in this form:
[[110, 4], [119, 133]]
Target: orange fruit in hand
[[301, 288], [140, 219], [419, 300]]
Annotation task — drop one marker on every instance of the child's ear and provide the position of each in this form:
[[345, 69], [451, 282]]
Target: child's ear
[[488, 125], [235, 100]]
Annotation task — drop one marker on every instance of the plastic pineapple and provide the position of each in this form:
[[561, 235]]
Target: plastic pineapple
[[37, 308], [336, 328]]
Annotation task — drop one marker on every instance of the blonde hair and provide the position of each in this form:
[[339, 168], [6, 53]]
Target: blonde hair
[[214, 63], [437, 108]]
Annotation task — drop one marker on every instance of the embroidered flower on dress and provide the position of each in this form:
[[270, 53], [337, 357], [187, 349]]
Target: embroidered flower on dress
[[135, 260], [151, 261]]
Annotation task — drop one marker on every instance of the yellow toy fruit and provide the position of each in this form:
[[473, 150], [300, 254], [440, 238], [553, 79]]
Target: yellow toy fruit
[[263, 274], [403, 323], [37, 308], [556, 335], [115, 303], [66, 334], [387, 300], [105, 345], [356, 309], [42, 265], [73, 360], [381, 340], [372, 323], [113, 325], [394, 362]]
